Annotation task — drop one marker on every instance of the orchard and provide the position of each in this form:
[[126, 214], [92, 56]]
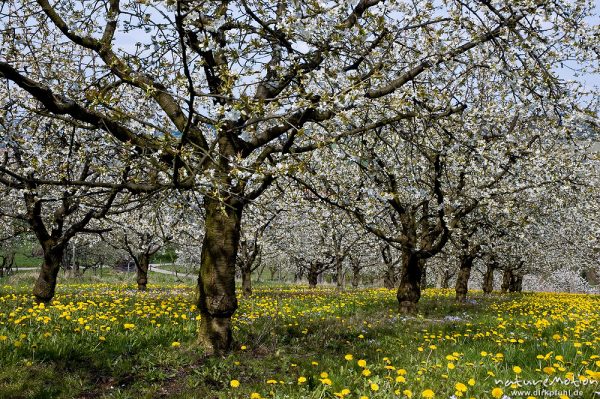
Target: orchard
[[352, 199]]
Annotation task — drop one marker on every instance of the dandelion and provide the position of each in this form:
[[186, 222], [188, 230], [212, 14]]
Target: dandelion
[[128, 326], [428, 394], [497, 393], [325, 381], [366, 372], [460, 387], [362, 363], [348, 357], [407, 393], [234, 383], [271, 382], [517, 369], [400, 379], [324, 375], [301, 380], [175, 344], [471, 382], [255, 395]]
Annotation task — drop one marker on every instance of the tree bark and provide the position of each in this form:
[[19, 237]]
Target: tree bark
[[423, 266], [355, 277], [246, 282], [313, 276], [216, 283], [516, 283], [462, 281], [143, 263], [409, 290], [506, 277], [339, 273], [488, 279], [45, 286], [445, 279]]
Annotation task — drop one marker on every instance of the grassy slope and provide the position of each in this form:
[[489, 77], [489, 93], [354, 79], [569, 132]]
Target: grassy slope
[[283, 333]]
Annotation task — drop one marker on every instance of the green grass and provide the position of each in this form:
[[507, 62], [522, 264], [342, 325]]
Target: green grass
[[81, 347]]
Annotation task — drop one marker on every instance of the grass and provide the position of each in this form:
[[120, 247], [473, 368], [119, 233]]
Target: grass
[[101, 338]]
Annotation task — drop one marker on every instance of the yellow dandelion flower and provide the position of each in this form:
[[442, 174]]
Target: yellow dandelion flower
[[366, 372], [362, 363], [428, 394], [517, 369], [234, 383], [301, 380], [497, 393], [460, 387], [348, 357], [374, 387]]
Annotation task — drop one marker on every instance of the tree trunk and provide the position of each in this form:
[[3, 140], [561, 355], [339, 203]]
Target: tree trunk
[[216, 283], [339, 274], [355, 277], [488, 279], [313, 278], [423, 266], [516, 283], [445, 279], [246, 282], [143, 263], [45, 286], [389, 278], [462, 281], [506, 277], [409, 290]]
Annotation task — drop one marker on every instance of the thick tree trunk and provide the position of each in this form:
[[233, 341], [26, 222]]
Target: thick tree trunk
[[246, 282], [462, 281], [216, 283], [143, 263], [45, 286], [488, 279], [409, 290]]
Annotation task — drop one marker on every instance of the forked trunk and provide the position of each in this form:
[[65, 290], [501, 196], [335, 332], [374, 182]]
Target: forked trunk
[[45, 286], [462, 281], [246, 282], [488, 279], [409, 290], [216, 283], [142, 264]]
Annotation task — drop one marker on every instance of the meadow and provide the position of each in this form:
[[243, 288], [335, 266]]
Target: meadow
[[102, 338]]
